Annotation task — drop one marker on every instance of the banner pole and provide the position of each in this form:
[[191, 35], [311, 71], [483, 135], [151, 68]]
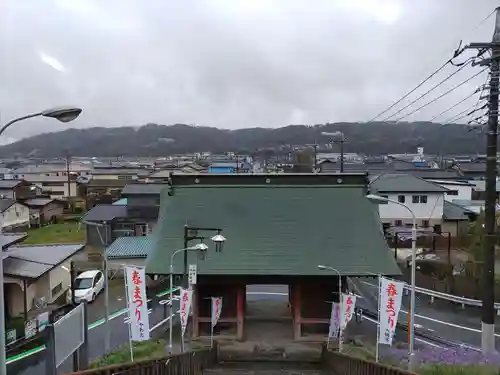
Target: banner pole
[[211, 322], [129, 318], [341, 328], [378, 320]]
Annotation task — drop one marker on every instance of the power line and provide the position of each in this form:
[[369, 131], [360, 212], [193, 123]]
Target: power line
[[442, 95], [454, 105], [430, 90], [457, 52]]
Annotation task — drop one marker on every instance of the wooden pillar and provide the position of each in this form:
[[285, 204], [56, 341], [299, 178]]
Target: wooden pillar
[[240, 311], [296, 303], [25, 299], [196, 311]]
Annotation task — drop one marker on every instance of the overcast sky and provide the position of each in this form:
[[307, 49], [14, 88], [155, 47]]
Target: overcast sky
[[229, 63]]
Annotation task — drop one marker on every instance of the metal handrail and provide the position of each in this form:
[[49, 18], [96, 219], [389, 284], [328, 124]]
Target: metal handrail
[[446, 296]]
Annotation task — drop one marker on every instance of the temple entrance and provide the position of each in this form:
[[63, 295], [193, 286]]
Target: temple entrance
[[268, 315]]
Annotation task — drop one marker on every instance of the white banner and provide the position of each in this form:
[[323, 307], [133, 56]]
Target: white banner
[[192, 274], [137, 303], [347, 309], [390, 295], [186, 299], [216, 310], [335, 320]]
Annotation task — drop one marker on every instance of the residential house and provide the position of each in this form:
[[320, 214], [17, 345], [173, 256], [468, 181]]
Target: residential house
[[125, 172], [18, 189], [13, 215], [60, 187], [479, 190], [424, 198], [35, 276], [456, 218], [100, 191], [143, 201], [456, 189], [43, 210], [107, 222]]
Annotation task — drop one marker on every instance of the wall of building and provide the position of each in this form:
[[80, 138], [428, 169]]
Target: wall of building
[[51, 210], [59, 280], [37, 289], [15, 215], [457, 192], [432, 210]]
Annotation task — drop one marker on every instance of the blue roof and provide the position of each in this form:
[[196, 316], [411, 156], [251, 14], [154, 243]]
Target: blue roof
[[121, 202], [130, 247]]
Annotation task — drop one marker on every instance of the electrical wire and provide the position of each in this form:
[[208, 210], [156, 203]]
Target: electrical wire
[[454, 105], [466, 63], [458, 51], [442, 95]]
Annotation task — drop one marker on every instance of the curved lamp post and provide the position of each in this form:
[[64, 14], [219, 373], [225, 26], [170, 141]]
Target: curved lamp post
[[328, 268], [63, 114], [411, 330], [201, 249]]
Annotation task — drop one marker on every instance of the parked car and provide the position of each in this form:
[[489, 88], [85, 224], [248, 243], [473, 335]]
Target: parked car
[[87, 286]]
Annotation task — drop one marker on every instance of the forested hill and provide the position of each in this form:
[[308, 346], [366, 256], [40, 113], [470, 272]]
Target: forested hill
[[159, 140]]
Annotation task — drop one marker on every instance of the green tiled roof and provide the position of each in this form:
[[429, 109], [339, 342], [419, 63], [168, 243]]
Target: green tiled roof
[[274, 230], [130, 247]]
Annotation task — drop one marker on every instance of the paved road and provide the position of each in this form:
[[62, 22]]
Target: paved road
[[119, 336], [441, 318]]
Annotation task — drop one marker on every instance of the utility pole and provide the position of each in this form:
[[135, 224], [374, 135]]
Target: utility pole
[[488, 274], [68, 177]]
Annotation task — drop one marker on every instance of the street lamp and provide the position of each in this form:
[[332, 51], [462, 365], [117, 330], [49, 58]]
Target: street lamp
[[191, 233], [411, 330], [61, 114], [327, 268], [201, 248]]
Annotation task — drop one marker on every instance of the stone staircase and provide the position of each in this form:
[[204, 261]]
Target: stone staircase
[[265, 368]]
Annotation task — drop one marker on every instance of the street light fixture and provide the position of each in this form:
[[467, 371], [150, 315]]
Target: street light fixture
[[201, 248], [327, 268], [61, 114], [218, 240], [411, 329]]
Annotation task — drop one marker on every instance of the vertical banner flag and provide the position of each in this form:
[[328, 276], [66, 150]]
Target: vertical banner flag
[[216, 310], [390, 296], [335, 320], [137, 303], [186, 299], [347, 309]]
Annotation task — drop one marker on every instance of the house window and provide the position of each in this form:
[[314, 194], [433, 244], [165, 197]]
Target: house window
[[452, 192], [398, 223], [425, 223], [56, 290], [401, 198], [415, 199], [125, 177], [423, 199], [437, 229], [419, 199], [141, 229]]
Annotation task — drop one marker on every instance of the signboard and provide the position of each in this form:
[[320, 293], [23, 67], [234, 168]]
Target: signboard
[[135, 278], [216, 310], [335, 320], [192, 274], [186, 298], [43, 320], [390, 294], [69, 333], [30, 328]]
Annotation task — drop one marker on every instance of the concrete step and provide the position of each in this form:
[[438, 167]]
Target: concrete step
[[280, 352], [265, 368]]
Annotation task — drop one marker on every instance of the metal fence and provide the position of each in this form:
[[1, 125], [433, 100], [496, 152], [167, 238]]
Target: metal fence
[[343, 364], [191, 363]]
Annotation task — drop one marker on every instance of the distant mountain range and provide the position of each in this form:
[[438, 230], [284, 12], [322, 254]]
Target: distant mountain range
[[160, 140]]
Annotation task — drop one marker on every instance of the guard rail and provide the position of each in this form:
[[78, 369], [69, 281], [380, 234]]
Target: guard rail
[[450, 297]]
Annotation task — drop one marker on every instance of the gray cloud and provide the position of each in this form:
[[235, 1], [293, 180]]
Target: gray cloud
[[225, 63]]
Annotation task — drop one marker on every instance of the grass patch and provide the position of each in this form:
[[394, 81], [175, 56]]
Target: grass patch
[[457, 370], [143, 350], [56, 233]]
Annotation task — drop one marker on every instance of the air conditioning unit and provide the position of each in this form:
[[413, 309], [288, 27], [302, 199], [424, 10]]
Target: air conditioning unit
[[40, 302]]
